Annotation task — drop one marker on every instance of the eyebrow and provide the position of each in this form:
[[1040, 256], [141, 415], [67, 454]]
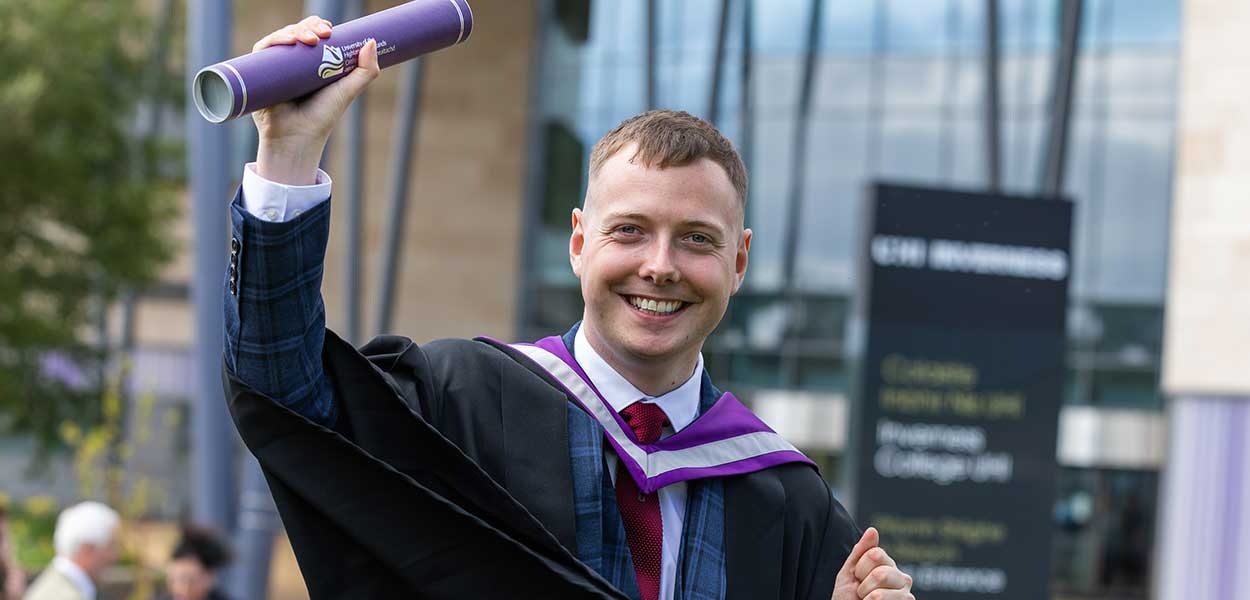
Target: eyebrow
[[638, 216]]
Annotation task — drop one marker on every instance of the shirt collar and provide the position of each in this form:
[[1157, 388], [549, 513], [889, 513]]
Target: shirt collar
[[76, 575], [680, 405]]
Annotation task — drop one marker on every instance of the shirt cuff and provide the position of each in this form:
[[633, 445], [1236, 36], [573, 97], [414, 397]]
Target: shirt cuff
[[276, 202]]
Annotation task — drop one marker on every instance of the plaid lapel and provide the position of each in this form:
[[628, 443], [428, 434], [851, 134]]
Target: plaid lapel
[[701, 574], [601, 542]]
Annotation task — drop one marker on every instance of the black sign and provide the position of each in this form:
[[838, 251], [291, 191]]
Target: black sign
[[955, 421]]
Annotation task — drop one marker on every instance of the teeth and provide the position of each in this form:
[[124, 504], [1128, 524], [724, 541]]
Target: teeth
[[662, 307]]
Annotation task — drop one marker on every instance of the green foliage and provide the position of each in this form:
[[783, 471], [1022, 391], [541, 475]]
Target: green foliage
[[31, 524], [85, 204]]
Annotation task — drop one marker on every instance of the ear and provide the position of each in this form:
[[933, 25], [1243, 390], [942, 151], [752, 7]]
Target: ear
[[577, 241], [740, 259]]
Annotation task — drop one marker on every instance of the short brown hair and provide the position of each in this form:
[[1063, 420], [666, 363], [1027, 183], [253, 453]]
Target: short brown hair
[[672, 138]]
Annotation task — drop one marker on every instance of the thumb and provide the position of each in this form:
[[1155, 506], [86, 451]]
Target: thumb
[[366, 68], [367, 63], [341, 93], [871, 539]]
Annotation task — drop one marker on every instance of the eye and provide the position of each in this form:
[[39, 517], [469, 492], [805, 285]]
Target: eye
[[627, 229], [699, 238], [626, 232]]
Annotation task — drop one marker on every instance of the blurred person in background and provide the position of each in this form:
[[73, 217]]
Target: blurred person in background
[[12, 579], [86, 541], [197, 559]]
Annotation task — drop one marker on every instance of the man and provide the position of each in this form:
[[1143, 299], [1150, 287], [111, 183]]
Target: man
[[86, 544], [600, 464], [193, 567]]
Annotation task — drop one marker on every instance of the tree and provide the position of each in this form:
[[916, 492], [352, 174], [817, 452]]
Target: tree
[[84, 202]]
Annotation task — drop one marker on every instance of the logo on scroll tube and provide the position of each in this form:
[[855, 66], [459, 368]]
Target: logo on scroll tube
[[331, 62]]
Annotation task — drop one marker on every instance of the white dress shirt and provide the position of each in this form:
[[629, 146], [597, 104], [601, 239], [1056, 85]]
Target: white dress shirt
[[270, 201], [277, 202], [75, 575]]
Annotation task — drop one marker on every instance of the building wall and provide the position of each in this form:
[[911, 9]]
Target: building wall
[[1208, 320], [458, 273]]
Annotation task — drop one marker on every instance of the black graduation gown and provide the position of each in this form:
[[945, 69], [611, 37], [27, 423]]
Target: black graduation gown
[[447, 475]]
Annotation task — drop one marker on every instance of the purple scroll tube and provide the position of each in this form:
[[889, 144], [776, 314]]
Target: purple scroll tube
[[233, 88]]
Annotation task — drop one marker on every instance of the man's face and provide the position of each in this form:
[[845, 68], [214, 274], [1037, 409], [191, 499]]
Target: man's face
[[187, 579], [658, 253], [95, 559]]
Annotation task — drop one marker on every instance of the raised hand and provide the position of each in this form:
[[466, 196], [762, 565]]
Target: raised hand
[[870, 574], [293, 135]]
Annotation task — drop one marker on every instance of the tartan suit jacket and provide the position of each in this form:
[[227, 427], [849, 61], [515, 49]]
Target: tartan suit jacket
[[459, 468]]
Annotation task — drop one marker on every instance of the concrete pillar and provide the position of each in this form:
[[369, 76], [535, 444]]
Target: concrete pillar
[[1204, 543]]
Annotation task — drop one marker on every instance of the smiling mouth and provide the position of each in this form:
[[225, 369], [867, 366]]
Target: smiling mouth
[[656, 308]]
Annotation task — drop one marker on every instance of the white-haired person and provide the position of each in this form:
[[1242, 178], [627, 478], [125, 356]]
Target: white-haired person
[[86, 543]]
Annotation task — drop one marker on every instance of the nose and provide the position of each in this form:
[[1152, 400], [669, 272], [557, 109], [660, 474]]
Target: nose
[[659, 265]]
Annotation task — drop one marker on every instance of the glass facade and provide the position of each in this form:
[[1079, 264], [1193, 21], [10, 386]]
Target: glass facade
[[898, 92]]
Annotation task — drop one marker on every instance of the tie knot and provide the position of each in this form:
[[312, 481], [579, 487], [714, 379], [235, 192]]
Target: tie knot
[[647, 421]]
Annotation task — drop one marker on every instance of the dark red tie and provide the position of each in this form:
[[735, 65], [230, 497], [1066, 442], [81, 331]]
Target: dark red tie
[[644, 528]]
